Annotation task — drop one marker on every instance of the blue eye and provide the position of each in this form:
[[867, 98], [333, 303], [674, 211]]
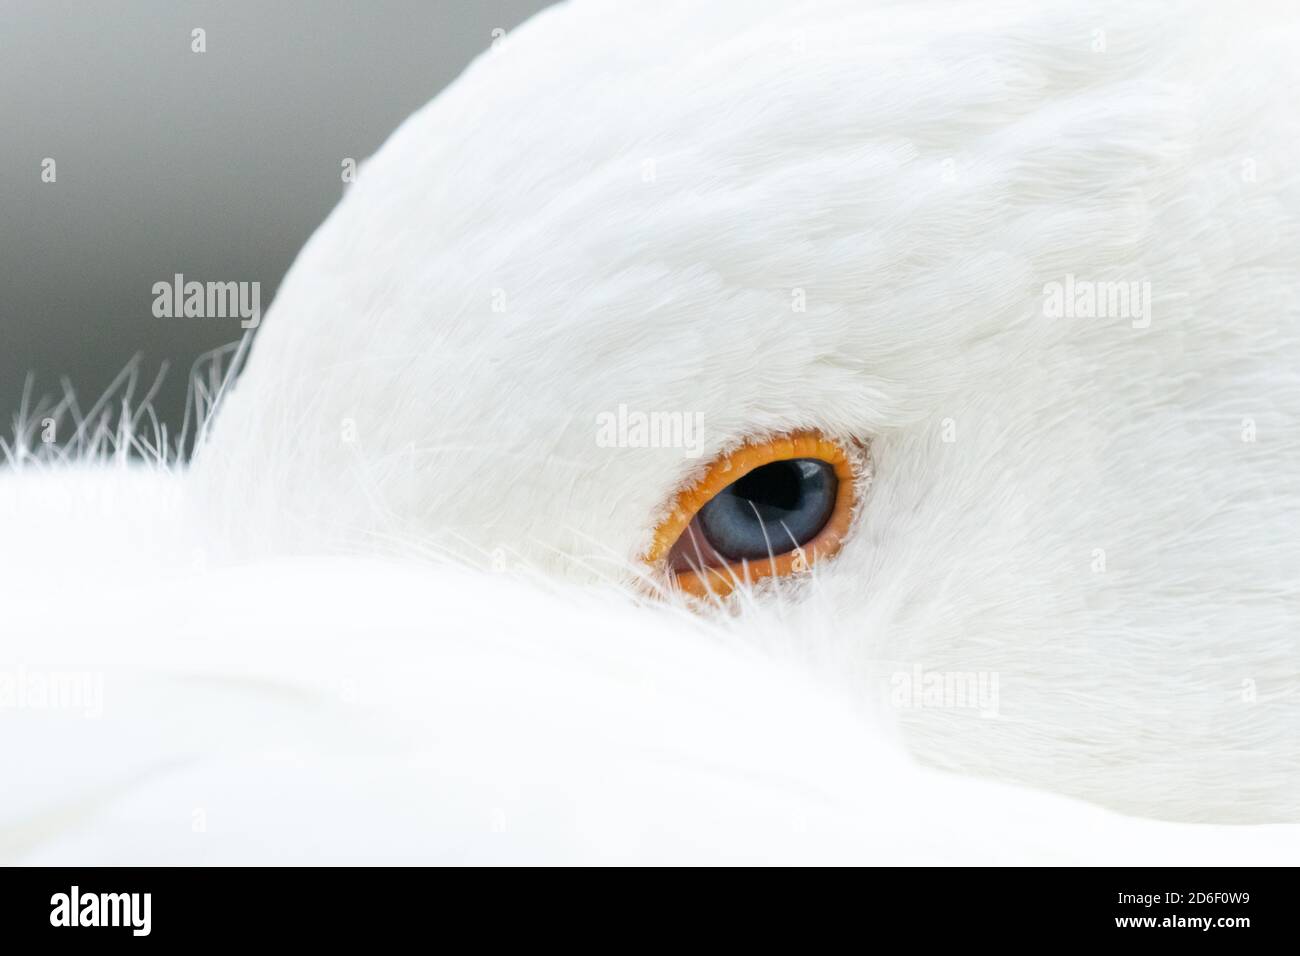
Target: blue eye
[[791, 506], [771, 510]]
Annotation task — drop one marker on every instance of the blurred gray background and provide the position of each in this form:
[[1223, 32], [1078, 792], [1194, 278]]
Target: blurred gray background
[[217, 165]]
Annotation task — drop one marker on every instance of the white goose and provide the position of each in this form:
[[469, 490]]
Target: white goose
[[1013, 288]]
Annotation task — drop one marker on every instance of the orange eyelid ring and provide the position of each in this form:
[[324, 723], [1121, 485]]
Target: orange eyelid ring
[[719, 581]]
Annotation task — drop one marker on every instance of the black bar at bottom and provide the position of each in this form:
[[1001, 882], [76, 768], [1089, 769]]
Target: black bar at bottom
[[333, 906]]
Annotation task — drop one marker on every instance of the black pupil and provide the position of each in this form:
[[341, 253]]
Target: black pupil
[[772, 510]]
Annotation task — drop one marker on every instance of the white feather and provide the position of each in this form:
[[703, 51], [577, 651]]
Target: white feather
[[363, 710]]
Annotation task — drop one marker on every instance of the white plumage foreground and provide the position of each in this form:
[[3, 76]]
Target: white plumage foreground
[[393, 610]]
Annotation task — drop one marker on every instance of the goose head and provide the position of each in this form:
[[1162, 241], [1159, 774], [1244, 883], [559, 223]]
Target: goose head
[[821, 242]]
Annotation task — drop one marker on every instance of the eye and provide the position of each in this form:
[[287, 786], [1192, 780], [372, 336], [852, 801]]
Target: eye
[[771, 510], [768, 509]]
